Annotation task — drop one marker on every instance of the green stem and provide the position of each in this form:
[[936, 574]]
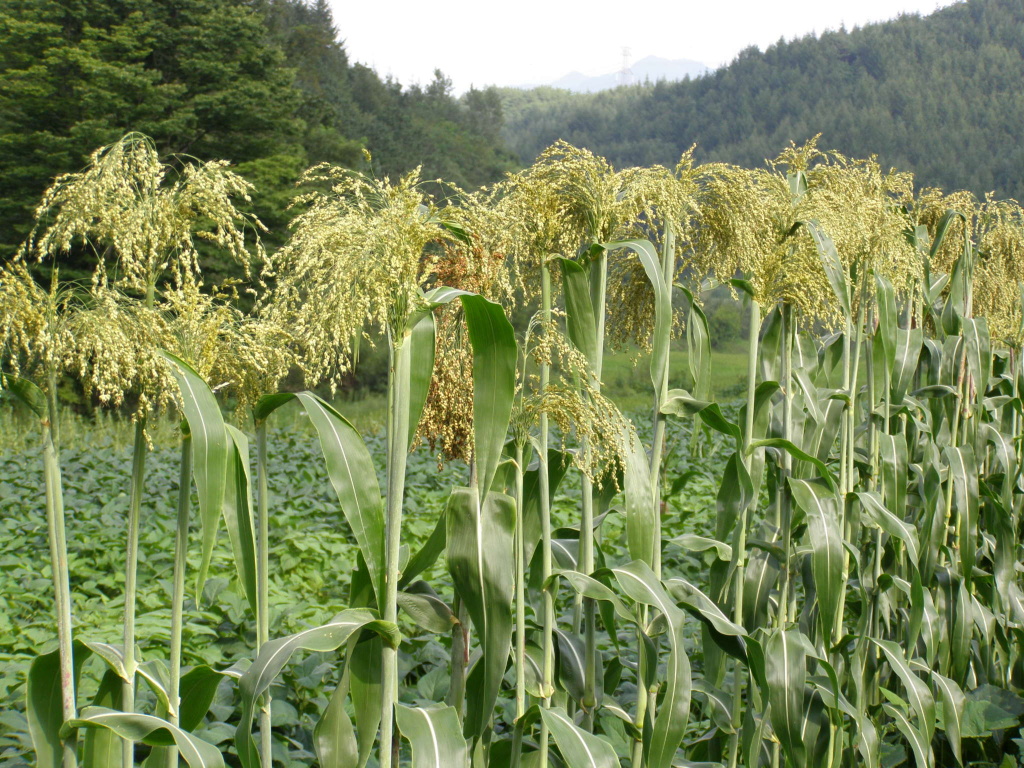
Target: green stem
[[783, 511], [598, 298], [739, 676], [460, 657], [520, 650], [668, 262], [398, 429], [139, 451], [178, 590], [59, 568], [263, 581], [520, 590], [548, 671]]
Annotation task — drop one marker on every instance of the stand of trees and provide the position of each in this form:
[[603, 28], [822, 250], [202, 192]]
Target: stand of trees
[[940, 95], [264, 83]]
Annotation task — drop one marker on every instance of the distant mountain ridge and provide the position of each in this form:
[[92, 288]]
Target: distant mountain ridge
[[940, 95], [648, 69]]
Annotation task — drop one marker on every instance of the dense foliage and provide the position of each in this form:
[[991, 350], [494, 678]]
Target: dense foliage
[[933, 95], [266, 85], [567, 594]]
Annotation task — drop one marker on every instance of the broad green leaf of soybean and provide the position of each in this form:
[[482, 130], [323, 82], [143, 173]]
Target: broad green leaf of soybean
[[153, 731], [638, 581], [494, 380], [274, 655], [579, 749], [480, 560], [435, 735], [210, 454]]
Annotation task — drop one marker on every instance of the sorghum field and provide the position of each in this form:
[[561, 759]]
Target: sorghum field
[[570, 534]]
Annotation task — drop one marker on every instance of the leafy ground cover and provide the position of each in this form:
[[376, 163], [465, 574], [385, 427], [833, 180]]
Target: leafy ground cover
[[314, 556]]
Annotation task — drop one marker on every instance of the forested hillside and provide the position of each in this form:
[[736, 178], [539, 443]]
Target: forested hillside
[[265, 84], [941, 95]]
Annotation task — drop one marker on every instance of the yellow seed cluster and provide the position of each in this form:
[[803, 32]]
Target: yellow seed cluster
[[141, 222], [146, 223], [356, 259], [999, 271]]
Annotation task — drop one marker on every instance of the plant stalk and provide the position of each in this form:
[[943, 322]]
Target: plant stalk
[[59, 569], [548, 670], [178, 592], [398, 429], [739, 675], [263, 581], [139, 451]]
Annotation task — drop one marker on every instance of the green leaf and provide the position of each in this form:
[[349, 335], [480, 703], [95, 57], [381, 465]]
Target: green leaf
[[579, 312], [103, 748], [43, 704], [353, 477], [334, 739], [908, 352], [796, 453], [648, 256], [426, 555], [920, 697], [698, 349], [728, 635], [639, 582], [428, 611], [953, 701], [210, 453], [963, 474], [785, 676], [27, 392], [421, 368], [275, 654], [366, 667], [494, 380], [153, 731], [679, 402], [877, 513], [831, 263], [642, 535], [820, 505], [480, 560], [691, 542], [922, 750], [579, 749], [237, 511], [435, 735]]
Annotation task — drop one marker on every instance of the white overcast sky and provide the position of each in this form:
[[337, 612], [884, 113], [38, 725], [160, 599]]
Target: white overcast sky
[[480, 43]]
